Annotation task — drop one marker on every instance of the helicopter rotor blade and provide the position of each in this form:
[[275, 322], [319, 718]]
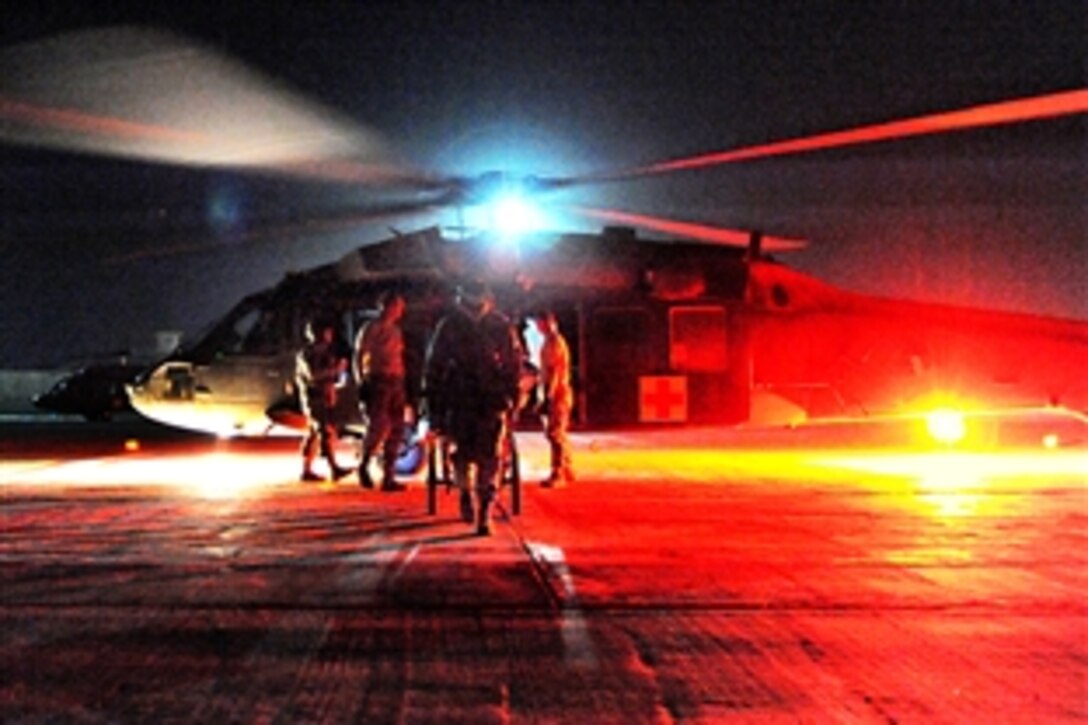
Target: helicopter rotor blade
[[144, 94], [1035, 108], [1020, 110], [148, 95], [702, 232], [271, 230]]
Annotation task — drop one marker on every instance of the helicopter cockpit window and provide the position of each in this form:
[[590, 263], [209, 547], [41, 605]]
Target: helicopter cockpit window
[[248, 330], [698, 339], [261, 336], [239, 332]]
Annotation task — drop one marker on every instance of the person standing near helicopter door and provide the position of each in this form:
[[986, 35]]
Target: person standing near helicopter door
[[378, 365], [318, 367], [556, 398]]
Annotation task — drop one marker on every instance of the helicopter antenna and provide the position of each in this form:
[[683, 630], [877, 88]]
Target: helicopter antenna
[[755, 246]]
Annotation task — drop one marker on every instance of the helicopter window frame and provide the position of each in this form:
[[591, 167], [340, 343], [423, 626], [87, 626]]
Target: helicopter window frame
[[693, 331], [253, 327]]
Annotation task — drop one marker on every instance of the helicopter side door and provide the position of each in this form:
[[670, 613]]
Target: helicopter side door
[[619, 352]]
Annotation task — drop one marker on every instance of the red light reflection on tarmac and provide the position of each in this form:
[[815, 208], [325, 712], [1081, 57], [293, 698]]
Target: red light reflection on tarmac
[[967, 468], [965, 491], [819, 570], [711, 455], [240, 476], [213, 475], [946, 479], [959, 488]]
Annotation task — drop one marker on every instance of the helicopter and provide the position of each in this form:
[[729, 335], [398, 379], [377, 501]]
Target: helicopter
[[705, 327], [95, 391], [661, 333]]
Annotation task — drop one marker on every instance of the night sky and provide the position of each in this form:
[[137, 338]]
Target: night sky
[[993, 217]]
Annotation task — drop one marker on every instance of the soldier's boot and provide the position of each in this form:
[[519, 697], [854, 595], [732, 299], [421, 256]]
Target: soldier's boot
[[559, 478], [487, 485], [338, 471], [560, 468], [483, 520], [308, 469], [391, 485], [389, 470], [364, 470], [467, 514], [364, 476], [460, 479], [308, 462]]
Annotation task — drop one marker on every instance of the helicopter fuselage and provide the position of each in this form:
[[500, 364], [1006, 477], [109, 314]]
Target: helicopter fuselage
[[661, 334]]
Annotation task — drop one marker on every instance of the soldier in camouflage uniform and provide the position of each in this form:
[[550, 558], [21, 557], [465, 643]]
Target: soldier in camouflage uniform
[[318, 368], [379, 369], [471, 386], [556, 398]]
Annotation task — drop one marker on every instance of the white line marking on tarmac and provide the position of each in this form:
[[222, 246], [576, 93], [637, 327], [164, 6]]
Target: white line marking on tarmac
[[577, 644], [402, 565], [368, 571]]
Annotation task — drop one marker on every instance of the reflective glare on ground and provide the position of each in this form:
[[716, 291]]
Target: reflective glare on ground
[[685, 576]]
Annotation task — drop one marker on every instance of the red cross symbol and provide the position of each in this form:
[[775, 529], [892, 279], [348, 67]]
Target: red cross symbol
[[663, 399]]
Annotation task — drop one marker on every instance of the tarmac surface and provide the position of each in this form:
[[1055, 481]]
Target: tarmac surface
[[687, 576]]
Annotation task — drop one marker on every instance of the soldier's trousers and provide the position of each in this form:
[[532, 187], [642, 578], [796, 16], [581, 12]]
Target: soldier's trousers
[[479, 440], [384, 403]]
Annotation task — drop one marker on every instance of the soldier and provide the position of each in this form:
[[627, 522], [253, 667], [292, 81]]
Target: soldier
[[471, 383], [318, 368], [556, 398], [378, 365]]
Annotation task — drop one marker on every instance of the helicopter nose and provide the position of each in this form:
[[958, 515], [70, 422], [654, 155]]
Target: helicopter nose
[[150, 389], [137, 395], [155, 396]]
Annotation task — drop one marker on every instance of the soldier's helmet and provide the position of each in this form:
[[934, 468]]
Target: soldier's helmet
[[316, 325], [390, 298], [474, 295]]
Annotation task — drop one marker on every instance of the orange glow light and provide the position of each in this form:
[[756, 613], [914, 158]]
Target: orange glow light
[[214, 476], [946, 426]]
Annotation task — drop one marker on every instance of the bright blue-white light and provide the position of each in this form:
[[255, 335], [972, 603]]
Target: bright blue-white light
[[515, 215], [510, 213]]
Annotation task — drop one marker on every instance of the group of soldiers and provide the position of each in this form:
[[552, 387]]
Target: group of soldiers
[[472, 386]]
